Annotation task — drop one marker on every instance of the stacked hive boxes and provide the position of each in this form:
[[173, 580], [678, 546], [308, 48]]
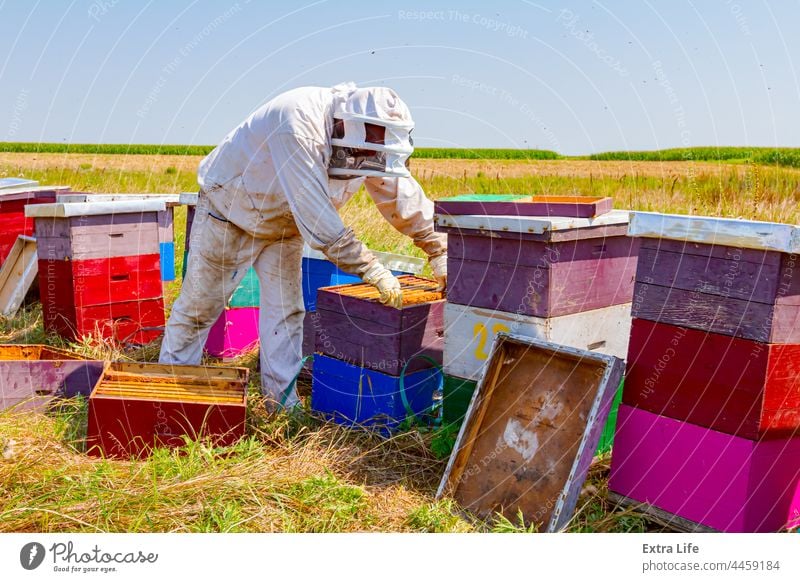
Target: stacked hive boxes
[[708, 427], [369, 369], [319, 272], [166, 231], [99, 269], [13, 221], [567, 280]]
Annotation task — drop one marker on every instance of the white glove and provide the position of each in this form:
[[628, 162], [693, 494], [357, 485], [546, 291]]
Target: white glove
[[439, 266], [387, 285]]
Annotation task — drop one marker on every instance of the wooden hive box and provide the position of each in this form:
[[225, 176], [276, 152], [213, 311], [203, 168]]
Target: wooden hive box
[[13, 221], [730, 384], [524, 205], [710, 478], [355, 396], [531, 431], [166, 218], [732, 277], [355, 327], [135, 407], [539, 266], [99, 268], [32, 375], [469, 332]]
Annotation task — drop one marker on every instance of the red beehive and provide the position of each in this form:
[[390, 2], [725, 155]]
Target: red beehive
[[13, 221], [135, 407], [100, 270]]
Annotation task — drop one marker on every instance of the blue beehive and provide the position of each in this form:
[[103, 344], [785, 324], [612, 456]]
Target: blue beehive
[[352, 395]]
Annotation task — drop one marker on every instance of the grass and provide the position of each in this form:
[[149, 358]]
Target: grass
[[298, 473]]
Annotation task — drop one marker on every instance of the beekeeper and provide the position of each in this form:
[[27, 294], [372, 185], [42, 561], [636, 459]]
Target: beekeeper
[[278, 179]]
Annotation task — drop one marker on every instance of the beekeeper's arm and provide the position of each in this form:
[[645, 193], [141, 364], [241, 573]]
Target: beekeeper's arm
[[302, 173], [403, 203]]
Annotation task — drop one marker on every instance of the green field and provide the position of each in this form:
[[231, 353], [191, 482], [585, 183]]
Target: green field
[[770, 156]]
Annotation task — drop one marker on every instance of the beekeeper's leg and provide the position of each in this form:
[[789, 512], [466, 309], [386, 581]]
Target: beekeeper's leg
[[219, 257], [279, 268]]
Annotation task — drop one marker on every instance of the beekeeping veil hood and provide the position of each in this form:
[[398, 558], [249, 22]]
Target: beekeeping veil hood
[[371, 135]]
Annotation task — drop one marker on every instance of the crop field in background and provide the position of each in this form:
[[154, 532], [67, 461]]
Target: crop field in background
[[789, 157], [296, 473]]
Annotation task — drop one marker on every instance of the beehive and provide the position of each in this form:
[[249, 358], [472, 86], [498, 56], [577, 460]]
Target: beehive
[[355, 327], [99, 268], [137, 406], [31, 375], [713, 373], [13, 221]]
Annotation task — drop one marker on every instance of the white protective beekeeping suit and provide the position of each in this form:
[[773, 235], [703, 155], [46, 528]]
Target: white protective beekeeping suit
[[263, 191]]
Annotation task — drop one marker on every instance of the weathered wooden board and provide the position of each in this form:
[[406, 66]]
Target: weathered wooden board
[[527, 224], [136, 322], [170, 200], [531, 431], [469, 332], [75, 209], [524, 205], [761, 322], [539, 279], [32, 375], [715, 479], [121, 241], [15, 183], [95, 225], [355, 327], [135, 407], [17, 274], [729, 384], [664, 518], [234, 333], [732, 232], [99, 281]]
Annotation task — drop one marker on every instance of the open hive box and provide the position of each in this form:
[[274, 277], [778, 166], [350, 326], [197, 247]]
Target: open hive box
[[31, 375], [355, 327], [137, 406], [524, 205], [531, 431]]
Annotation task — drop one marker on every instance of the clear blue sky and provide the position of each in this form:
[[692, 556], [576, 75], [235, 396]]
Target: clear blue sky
[[577, 77]]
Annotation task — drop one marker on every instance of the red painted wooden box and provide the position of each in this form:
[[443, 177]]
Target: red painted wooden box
[[711, 478], [135, 407], [729, 384], [32, 375], [13, 221], [542, 267], [353, 326]]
